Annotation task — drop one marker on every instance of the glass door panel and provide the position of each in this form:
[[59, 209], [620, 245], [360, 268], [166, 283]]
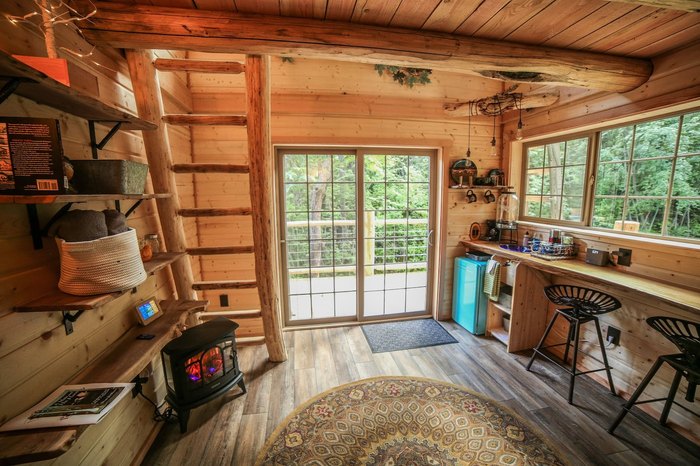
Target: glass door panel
[[320, 225], [395, 235]]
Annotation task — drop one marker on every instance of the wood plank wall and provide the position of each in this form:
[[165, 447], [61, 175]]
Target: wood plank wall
[[333, 103], [673, 85], [35, 354]]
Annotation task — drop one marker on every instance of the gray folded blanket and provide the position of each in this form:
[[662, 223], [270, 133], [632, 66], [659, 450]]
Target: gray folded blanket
[[88, 225]]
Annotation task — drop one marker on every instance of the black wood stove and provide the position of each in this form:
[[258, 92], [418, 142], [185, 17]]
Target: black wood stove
[[200, 365]]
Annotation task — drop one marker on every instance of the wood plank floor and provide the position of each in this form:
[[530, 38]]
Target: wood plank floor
[[232, 429]]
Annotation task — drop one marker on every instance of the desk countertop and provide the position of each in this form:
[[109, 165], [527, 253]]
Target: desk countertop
[[683, 298]]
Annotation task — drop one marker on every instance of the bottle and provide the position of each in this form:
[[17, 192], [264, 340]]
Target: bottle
[[526, 239]]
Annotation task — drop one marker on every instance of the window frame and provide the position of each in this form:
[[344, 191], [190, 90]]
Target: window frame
[[590, 182]]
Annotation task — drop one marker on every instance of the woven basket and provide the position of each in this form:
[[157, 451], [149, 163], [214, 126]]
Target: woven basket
[[105, 265]]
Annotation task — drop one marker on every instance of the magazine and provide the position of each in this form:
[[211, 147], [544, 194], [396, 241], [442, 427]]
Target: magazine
[[71, 405]]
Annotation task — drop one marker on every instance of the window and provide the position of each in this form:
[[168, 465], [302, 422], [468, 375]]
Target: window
[[647, 179]]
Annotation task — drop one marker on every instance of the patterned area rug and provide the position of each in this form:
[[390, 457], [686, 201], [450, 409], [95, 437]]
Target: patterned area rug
[[407, 334], [404, 421]]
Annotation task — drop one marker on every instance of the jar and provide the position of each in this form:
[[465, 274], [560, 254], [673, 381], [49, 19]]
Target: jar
[[507, 209], [150, 245]]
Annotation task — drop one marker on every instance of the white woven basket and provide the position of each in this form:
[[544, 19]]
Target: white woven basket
[[105, 265]]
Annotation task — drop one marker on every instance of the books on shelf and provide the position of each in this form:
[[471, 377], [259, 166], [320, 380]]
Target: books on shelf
[[71, 405]]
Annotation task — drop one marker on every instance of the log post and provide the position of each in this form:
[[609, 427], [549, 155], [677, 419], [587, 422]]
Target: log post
[[257, 75], [150, 107]]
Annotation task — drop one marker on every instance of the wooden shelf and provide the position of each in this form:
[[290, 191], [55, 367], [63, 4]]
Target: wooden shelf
[[65, 198], [501, 307], [121, 362], [45, 90], [480, 187], [500, 334], [60, 301]]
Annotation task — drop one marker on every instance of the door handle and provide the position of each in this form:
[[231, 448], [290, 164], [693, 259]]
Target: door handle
[[430, 238]]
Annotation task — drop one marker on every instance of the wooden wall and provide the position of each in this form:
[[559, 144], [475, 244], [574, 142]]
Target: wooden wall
[[334, 103], [674, 86], [35, 354]]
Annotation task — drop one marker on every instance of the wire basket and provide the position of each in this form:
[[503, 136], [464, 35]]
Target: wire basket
[[555, 251]]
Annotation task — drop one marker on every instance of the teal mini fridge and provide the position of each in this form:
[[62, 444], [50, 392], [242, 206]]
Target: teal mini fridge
[[468, 297]]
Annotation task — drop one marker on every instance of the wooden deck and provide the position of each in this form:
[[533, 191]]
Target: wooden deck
[[232, 429]]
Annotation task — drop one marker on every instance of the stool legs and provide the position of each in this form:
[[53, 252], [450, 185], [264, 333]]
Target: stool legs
[[544, 336], [605, 357], [635, 396], [671, 396], [577, 328]]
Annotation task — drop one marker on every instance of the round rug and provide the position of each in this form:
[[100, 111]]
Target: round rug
[[404, 421]]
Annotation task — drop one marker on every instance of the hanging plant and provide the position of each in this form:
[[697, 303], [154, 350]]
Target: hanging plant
[[287, 59], [405, 76]]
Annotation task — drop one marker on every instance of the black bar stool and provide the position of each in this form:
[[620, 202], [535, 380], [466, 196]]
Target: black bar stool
[[582, 305], [686, 336]]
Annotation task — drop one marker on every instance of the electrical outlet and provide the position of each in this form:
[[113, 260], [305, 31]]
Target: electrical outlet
[[223, 300], [613, 335], [624, 257]]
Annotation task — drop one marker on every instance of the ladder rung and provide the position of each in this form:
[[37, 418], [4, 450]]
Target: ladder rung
[[224, 285], [248, 314], [203, 212], [249, 341], [210, 168], [207, 120], [220, 250], [200, 66]]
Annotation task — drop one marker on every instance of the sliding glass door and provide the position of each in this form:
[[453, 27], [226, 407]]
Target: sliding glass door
[[356, 233]]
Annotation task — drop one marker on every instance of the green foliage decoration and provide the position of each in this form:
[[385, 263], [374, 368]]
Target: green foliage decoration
[[404, 75]]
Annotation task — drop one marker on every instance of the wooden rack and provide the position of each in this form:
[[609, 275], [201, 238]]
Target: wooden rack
[[121, 362]]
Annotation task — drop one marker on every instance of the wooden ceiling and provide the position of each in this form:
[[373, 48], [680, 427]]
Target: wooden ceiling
[[624, 27]]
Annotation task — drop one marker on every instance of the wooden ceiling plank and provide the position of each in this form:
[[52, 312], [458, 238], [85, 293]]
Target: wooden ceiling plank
[[156, 28], [638, 31], [556, 18], [303, 8], [670, 42], [511, 17], [485, 12], [340, 10], [448, 16], [376, 12], [660, 34], [413, 14], [605, 15], [215, 5], [684, 5], [263, 7]]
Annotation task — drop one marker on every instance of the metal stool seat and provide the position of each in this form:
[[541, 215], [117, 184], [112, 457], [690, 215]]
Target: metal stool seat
[[686, 336], [582, 305]]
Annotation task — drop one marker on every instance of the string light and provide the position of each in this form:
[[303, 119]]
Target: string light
[[519, 131], [469, 133]]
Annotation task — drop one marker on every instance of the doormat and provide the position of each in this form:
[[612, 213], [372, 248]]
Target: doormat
[[407, 334]]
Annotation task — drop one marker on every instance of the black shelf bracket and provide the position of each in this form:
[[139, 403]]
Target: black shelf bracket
[[133, 208], [94, 145], [34, 226], [9, 88], [69, 319]]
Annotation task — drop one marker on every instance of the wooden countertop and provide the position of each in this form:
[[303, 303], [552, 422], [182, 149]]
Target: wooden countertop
[[666, 293]]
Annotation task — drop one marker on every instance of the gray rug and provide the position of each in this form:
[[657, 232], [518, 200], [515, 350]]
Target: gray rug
[[407, 334]]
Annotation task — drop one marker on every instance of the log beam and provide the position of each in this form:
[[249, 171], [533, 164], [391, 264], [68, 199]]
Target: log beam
[[130, 26], [150, 106], [199, 66], [257, 74], [544, 99], [204, 120]]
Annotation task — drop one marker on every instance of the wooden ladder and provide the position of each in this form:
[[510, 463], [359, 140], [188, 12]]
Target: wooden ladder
[[258, 171]]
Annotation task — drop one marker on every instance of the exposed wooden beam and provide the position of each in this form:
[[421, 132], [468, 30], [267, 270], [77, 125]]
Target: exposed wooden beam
[[214, 212], [257, 77], [187, 119], [199, 66], [544, 99], [684, 5], [130, 26], [212, 251]]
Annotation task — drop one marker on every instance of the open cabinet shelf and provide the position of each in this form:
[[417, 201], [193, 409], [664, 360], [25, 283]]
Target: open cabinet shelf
[[121, 362], [35, 85], [60, 301]]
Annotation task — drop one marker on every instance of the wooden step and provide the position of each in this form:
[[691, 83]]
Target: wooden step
[[210, 168], [187, 119], [205, 212], [233, 315], [220, 250], [249, 341], [199, 66], [224, 285]]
